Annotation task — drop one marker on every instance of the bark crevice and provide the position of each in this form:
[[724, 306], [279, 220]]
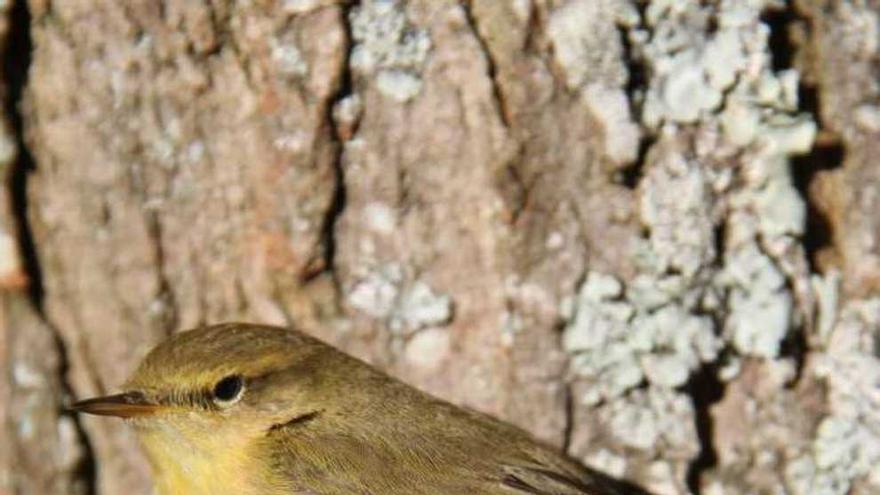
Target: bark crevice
[[491, 66], [568, 426], [705, 389], [16, 64], [636, 84], [344, 90], [17, 60], [828, 151]]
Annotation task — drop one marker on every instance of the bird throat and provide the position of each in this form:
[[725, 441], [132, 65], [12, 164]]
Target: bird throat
[[201, 463]]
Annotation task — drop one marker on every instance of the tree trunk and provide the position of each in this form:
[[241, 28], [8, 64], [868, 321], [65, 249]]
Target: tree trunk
[[644, 231]]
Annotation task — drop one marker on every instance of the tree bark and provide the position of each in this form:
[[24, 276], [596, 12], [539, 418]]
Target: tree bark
[[644, 231]]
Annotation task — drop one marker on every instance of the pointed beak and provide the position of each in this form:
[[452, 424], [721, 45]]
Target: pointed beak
[[126, 405]]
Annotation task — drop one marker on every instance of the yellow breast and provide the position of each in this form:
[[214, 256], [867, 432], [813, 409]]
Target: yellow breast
[[201, 463]]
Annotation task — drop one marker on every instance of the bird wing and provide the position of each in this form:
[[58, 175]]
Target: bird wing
[[330, 461], [349, 467], [541, 480]]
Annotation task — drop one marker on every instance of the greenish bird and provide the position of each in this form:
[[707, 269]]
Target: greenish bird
[[249, 409]]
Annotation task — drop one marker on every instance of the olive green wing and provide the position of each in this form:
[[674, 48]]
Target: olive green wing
[[345, 465], [538, 481], [322, 457], [535, 480]]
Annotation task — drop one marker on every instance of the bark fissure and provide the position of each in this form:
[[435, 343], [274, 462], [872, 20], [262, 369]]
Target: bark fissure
[[828, 151], [165, 294], [17, 61], [491, 66], [636, 84], [568, 426], [338, 199], [705, 389], [16, 66]]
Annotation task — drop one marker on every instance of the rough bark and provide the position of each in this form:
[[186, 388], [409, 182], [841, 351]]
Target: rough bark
[[645, 232]]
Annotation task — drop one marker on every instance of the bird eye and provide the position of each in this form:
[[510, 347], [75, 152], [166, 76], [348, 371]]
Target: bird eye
[[228, 390]]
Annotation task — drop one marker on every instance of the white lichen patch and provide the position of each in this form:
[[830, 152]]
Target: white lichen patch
[[379, 217], [389, 47], [611, 109], [721, 259], [606, 461], [288, 59], [692, 70], [376, 294], [348, 110], [304, 6], [676, 204], [580, 31], [584, 37], [384, 294], [867, 117], [827, 290], [428, 349], [420, 307], [398, 84], [24, 376], [846, 446], [655, 418], [720, 81], [759, 306], [618, 343]]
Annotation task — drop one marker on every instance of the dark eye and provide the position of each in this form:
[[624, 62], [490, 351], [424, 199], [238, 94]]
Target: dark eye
[[228, 390]]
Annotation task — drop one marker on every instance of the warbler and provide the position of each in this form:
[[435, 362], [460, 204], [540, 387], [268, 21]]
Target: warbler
[[249, 409]]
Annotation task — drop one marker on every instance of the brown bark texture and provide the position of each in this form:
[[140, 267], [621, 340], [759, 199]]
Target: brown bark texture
[[645, 231]]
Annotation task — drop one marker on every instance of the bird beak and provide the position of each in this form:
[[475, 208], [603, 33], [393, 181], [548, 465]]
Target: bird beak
[[125, 405]]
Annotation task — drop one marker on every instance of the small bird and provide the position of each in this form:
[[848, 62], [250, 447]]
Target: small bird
[[248, 409]]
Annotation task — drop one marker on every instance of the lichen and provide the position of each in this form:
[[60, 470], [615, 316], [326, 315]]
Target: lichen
[[846, 446], [759, 306], [827, 293], [398, 84], [420, 307], [288, 59], [303, 6], [584, 54], [611, 109], [585, 45], [388, 46], [379, 217], [348, 110], [720, 257], [429, 348], [654, 419], [385, 294], [618, 343], [608, 462], [376, 294], [694, 70]]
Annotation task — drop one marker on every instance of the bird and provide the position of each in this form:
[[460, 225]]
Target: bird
[[250, 409]]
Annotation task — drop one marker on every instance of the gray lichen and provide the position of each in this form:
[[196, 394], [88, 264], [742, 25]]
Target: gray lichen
[[303, 6], [288, 58], [846, 446], [593, 64], [618, 343], [724, 126], [765, 212], [759, 306], [389, 47], [651, 420], [384, 294]]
